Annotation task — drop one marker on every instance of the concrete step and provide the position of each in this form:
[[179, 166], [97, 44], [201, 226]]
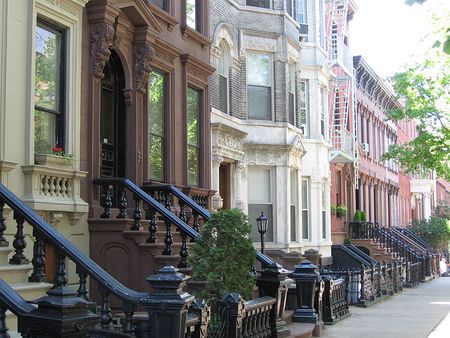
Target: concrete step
[[13, 274], [4, 255]]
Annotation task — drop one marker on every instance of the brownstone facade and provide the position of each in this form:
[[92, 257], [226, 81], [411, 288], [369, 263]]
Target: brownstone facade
[[123, 42]]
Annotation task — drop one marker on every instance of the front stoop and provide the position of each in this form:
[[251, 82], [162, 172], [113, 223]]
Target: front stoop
[[298, 330]]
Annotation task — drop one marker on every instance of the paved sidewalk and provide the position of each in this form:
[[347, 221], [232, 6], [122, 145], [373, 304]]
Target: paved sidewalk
[[420, 312]]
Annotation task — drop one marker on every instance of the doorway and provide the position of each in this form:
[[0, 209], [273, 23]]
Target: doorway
[[112, 119], [225, 184]]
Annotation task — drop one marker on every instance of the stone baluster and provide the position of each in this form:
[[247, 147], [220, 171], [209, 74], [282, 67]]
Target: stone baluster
[[123, 203], [137, 214], [3, 241], [107, 203], [153, 225], [38, 260]]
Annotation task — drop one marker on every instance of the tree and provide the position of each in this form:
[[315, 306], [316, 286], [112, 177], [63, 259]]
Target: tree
[[425, 90]]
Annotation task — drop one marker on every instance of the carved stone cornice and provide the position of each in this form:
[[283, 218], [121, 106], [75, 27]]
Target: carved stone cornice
[[143, 54], [102, 35]]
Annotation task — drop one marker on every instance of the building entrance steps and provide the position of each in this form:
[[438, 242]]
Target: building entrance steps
[[414, 313]]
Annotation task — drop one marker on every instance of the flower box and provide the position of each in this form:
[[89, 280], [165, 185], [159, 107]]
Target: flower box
[[53, 161]]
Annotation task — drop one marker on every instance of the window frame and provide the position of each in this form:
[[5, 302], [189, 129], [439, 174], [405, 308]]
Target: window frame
[[199, 133], [225, 55], [270, 86], [199, 8], [268, 1], [293, 207], [296, 6], [307, 230], [292, 111], [324, 112], [165, 6], [166, 86], [304, 125], [61, 109]]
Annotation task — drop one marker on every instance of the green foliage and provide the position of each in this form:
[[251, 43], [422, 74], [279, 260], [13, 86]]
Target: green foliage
[[363, 216], [347, 240], [341, 210], [435, 231], [357, 216], [333, 209], [224, 256]]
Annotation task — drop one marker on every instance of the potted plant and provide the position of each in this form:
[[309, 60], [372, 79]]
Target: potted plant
[[56, 158], [341, 210], [333, 209]]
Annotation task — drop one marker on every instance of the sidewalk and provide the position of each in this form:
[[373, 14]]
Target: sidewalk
[[414, 313]]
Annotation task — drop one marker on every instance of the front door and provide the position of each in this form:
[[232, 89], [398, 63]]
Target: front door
[[225, 184], [112, 124]]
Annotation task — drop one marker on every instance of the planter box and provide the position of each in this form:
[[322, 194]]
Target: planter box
[[53, 161]]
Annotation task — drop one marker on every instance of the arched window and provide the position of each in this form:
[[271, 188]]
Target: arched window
[[223, 70]]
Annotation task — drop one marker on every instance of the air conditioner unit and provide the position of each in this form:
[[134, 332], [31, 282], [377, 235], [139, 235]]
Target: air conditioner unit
[[303, 30], [365, 147]]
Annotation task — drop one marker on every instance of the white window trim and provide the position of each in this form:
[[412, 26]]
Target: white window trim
[[308, 185], [271, 78], [68, 15], [306, 129], [225, 52]]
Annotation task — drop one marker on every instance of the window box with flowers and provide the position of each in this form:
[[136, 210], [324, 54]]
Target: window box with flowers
[[56, 159]]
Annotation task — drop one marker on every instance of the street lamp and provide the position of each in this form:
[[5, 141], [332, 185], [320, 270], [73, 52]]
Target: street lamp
[[262, 222]]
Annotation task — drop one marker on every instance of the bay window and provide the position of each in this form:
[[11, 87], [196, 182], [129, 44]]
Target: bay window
[[259, 86], [303, 108], [301, 11], [49, 103]]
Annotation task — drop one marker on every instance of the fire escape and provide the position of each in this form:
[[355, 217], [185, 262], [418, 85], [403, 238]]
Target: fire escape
[[343, 124]]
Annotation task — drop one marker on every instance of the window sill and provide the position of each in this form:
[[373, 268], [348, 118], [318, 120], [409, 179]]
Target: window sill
[[164, 15], [188, 32], [54, 189]]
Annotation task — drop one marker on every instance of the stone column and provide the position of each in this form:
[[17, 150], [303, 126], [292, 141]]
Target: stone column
[[426, 205], [239, 202], [217, 201]]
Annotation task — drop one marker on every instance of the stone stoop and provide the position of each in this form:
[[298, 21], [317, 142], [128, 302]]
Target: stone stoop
[[17, 277], [376, 251], [298, 330]]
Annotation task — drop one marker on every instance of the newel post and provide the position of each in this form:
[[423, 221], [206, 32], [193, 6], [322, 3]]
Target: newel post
[[305, 277], [274, 284], [167, 304]]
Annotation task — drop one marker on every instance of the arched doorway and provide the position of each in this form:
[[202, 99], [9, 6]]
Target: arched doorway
[[112, 119]]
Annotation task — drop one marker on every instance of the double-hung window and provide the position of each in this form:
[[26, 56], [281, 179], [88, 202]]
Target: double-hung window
[[194, 97], [193, 14], [305, 208], [293, 206], [223, 79], [157, 92], [303, 108], [259, 86], [49, 103], [324, 111], [300, 11], [291, 94], [259, 3], [260, 199]]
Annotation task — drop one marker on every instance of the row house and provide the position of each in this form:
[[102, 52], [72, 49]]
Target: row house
[[268, 98], [343, 155], [379, 180]]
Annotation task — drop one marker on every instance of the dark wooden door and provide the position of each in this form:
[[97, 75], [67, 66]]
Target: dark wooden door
[[225, 184]]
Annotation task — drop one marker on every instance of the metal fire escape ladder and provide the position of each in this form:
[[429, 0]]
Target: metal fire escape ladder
[[337, 27]]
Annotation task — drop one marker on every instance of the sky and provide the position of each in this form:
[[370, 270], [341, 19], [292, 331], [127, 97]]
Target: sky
[[387, 32]]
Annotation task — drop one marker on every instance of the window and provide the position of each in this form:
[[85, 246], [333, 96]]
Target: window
[[305, 208], [259, 3], [324, 214], [338, 188], [223, 78], [259, 90], [260, 199], [157, 91], [193, 15], [160, 3], [323, 113], [49, 93], [322, 24], [293, 206], [303, 110], [301, 11], [291, 94], [193, 136], [290, 7]]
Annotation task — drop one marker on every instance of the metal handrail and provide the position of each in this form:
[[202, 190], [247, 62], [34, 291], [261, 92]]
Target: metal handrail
[[69, 249]]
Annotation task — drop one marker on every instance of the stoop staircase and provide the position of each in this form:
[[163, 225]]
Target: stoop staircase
[[17, 277]]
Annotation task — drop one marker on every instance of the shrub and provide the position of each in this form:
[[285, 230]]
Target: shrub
[[363, 216], [435, 231], [333, 209], [357, 216], [224, 256], [347, 240], [341, 210]]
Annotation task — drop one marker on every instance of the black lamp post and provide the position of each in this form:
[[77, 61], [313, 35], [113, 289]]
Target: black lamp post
[[262, 222]]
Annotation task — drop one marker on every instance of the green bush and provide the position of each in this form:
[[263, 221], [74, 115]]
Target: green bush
[[333, 209], [341, 210], [347, 240], [359, 216], [224, 256], [435, 231], [363, 216]]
